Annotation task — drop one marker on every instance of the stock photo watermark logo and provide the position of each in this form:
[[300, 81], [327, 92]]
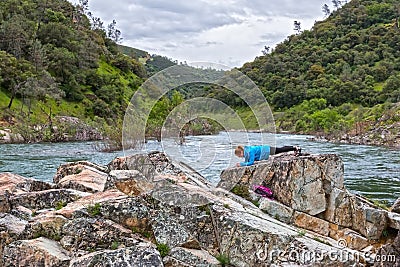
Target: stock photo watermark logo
[[164, 83], [340, 253]]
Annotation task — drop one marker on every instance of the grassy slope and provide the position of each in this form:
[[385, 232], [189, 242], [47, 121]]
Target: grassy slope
[[40, 110]]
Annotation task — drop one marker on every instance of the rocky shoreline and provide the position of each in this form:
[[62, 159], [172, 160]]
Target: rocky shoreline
[[61, 129], [369, 139], [382, 132], [148, 210]]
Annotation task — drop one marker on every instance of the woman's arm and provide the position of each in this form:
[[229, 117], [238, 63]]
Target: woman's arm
[[250, 160]]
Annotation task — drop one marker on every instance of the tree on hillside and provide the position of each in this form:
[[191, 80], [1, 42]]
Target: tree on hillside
[[13, 74], [84, 5], [113, 33], [37, 56], [41, 87], [336, 3], [97, 24], [297, 26], [326, 10], [266, 50], [15, 35], [391, 88]]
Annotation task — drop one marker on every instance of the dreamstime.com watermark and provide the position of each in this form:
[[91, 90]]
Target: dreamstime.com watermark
[[305, 256]]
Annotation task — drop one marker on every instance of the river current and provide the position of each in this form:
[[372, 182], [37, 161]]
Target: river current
[[370, 171]]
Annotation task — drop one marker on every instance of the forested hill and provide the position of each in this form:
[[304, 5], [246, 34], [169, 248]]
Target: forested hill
[[330, 77], [58, 59], [52, 51]]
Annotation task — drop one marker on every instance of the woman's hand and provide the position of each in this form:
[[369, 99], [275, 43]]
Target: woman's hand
[[237, 164]]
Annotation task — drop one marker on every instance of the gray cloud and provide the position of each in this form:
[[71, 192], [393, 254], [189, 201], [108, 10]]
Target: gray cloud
[[268, 39], [148, 19], [231, 31], [289, 8]]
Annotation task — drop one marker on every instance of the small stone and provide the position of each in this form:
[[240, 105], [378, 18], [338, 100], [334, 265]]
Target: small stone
[[396, 206]]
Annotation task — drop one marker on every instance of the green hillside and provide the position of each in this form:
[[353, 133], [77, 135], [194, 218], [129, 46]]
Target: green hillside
[[153, 63], [133, 52], [50, 50], [56, 59], [327, 78]]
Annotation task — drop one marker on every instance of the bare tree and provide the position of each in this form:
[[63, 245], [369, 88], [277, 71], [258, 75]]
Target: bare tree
[[266, 50], [81, 9], [326, 10], [297, 26], [97, 24], [84, 5], [113, 33], [336, 3]]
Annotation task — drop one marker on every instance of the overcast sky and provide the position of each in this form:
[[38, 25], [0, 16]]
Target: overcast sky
[[229, 32]]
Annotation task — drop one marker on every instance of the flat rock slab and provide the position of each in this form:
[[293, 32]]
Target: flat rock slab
[[89, 201], [144, 254], [36, 252], [47, 198], [15, 184], [13, 225], [73, 168], [190, 257], [87, 181]]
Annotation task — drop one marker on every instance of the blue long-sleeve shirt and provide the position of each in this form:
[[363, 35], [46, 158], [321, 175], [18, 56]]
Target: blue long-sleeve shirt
[[255, 153]]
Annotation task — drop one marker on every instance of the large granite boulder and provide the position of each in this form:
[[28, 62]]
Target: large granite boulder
[[131, 182], [302, 183], [82, 175], [309, 192], [94, 233], [46, 199], [12, 228], [389, 254], [157, 166]]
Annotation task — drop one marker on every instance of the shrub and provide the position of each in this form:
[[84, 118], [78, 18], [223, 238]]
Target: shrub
[[242, 191], [223, 260], [114, 245], [60, 204], [163, 249], [94, 210]]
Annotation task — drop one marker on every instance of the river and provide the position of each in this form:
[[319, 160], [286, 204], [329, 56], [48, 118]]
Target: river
[[370, 171]]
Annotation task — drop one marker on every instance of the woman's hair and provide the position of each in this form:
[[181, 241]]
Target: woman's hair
[[239, 150]]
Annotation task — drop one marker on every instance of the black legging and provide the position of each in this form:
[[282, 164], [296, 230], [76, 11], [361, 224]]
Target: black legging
[[277, 150]]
